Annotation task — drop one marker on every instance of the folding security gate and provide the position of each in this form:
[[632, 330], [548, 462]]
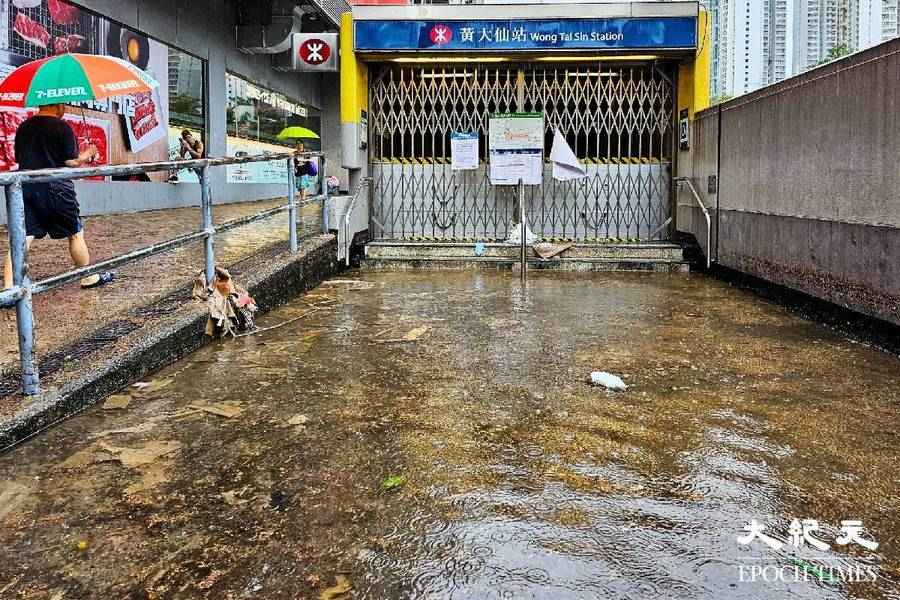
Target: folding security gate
[[618, 118]]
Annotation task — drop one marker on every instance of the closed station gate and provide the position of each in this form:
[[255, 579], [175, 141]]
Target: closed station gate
[[617, 117]]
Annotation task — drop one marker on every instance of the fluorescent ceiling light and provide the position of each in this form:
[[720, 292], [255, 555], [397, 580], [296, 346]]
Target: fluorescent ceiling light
[[449, 59], [611, 58]]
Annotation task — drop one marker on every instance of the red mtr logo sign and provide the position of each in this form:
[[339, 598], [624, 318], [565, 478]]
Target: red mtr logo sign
[[315, 52]]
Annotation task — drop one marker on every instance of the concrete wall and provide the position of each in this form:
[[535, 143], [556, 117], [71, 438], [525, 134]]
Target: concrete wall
[[809, 182], [204, 28]]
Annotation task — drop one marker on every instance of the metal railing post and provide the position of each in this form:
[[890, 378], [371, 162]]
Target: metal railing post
[[324, 192], [292, 206], [524, 259], [18, 246], [208, 229]]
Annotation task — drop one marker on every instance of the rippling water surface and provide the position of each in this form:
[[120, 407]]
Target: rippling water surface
[[522, 480]]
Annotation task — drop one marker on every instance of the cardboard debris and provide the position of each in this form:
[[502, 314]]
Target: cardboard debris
[[142, 428], [138, 457], [546, 250], [151, 477], [148, 387], [339, 591], [117, 402], [298, 420], [12, 496], [412, 336], [87, 456], [354, 284], [221, 409]]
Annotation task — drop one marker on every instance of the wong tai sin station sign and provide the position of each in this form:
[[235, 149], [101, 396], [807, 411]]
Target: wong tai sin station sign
[[530, 34]]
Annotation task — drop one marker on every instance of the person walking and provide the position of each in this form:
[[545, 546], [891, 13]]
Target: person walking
[[304, 171], [46, 141]]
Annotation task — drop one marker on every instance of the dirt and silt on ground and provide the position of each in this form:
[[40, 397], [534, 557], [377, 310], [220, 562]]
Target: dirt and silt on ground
[[256, 468]]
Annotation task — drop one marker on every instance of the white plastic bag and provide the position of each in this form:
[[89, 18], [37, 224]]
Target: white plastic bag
[[608, 380], [516, 232]]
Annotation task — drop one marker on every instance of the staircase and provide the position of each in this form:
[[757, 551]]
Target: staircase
[[660, 257]]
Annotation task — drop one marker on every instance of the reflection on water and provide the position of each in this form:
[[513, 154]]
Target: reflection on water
[[522, 480]]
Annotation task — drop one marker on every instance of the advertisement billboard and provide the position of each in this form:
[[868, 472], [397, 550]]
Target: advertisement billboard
[[126, 129]]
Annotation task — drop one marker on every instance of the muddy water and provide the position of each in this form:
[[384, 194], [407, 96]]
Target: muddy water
[[254, 468]]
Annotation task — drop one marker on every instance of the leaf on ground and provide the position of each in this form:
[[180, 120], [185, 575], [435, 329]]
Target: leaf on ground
[[339, 591], [221, 409], [411, 336], [117, 402], [393, 482]]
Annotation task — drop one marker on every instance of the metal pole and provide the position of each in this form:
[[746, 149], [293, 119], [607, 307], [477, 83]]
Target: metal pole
[[524, 267], [206, 212], [324, 192], [292, 206], [15, 216]]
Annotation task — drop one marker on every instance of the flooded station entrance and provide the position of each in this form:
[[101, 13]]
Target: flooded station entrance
[[617, 116]]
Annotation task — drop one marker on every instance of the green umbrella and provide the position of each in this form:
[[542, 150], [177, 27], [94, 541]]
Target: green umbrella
[[297, 133]]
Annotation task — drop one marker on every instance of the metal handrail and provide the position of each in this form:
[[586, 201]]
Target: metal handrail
[[364, 183], [690, 185], [23, 289]]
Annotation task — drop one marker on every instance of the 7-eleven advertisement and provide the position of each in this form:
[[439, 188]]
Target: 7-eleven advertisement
[[125, 129]]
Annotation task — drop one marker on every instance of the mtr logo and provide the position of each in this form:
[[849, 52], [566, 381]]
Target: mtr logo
[[315, 52], [440, 35]]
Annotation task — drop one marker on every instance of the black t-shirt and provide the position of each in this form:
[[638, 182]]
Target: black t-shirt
[[44, 142]]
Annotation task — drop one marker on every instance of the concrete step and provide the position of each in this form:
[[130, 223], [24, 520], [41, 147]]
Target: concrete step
[[651, 256]]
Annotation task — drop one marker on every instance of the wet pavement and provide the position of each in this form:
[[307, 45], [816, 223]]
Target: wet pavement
[[422, 435], [67, 313]]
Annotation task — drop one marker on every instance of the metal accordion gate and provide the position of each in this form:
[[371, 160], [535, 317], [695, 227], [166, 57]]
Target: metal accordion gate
[[618, 118]]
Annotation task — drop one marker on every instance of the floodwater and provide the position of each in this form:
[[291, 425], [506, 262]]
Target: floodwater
[[257, 467]]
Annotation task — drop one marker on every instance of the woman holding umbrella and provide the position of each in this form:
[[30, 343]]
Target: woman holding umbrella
[[304, 169], [46, 141]]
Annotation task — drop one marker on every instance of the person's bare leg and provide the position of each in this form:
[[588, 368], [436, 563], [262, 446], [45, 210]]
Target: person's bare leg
[[81, 256], [7, 267]]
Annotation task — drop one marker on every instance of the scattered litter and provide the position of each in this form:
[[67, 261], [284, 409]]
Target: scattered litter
[[117, 402], [231, 308], [355, 285], [339, 591], [222, 409], [515, 235], [151, 476], [298, 420], [235, 497], [608, 380], [288, 322], [412, 336], [152, 386], [142, 428], [138, 457], [393, 482], [546, 250], [12, 496]]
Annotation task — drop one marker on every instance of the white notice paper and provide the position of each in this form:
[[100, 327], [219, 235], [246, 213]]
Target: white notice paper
[[463, 151], [507, 168], [565, 164]]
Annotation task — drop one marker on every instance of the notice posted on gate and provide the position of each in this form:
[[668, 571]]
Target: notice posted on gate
[[463, 151], [516, 144]]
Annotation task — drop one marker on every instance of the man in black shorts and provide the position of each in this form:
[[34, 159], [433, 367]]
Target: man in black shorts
[[46, 141]]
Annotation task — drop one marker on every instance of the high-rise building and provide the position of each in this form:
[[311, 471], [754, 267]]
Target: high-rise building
[[738, 61], [878, 21], [758, 42]]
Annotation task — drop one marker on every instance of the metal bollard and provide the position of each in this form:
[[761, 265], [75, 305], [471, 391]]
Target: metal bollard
[[206, 214], [15, 213], [524, 267], [292, 206]]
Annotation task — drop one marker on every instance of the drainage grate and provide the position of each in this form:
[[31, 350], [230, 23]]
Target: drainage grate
[[10, 382]]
